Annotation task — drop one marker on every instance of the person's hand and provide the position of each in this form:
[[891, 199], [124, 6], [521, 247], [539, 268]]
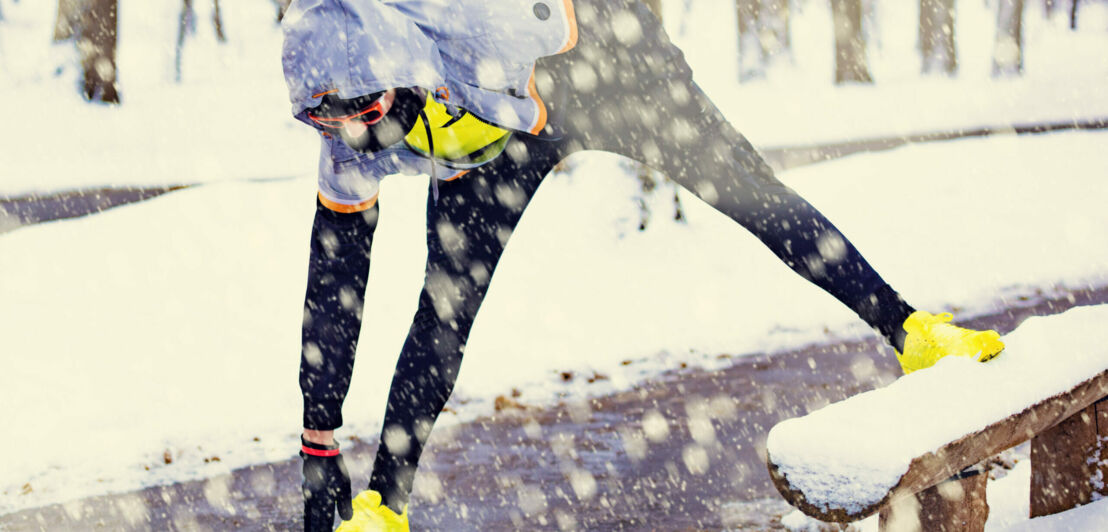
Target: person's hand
[[326, 486]]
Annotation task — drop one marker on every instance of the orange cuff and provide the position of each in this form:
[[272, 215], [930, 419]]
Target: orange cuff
[[347, 209]]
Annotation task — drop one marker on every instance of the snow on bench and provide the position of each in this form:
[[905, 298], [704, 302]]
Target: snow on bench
[[852, 458]]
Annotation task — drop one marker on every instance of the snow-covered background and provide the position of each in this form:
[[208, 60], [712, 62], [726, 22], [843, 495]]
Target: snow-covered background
[[228, 107], [171, 327]]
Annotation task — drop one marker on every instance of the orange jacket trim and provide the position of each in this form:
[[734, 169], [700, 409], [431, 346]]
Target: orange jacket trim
[[571, 20], [347, 209], [457, 175], [540, 120]]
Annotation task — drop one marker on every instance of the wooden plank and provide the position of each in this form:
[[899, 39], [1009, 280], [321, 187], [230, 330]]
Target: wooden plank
[[934, 467], [1062, 464], [1101, 466], [955, 505]]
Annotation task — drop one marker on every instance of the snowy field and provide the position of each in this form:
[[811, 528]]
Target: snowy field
[[170, 328]]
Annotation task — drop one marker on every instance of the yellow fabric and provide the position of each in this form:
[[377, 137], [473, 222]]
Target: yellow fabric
[[457, 141], [371, 516], [931, 337]]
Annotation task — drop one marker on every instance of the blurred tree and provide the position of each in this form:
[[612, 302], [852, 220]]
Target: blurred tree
[[764, 35], [752, 57], [936, 36], [651, 182], [1008, 48], [69, 15], [778, 40], [186, 24], [282, 6], [1050, 5], [850, 42], [94, 24], [655, 7], [217, 20]]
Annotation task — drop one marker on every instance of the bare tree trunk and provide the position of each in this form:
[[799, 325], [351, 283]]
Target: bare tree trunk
[[97, 45], [282, 6], [850, 44], [777, 35], [752, 56], [1008, 49], [69, 16], [1073, 14], [936, 36], [646, 189], [763, 35], [655, 7], [217, 20], [650, 183], [1048, 7], [184, 22]]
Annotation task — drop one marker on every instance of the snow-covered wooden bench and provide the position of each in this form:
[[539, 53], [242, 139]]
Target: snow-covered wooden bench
[[903, 450]]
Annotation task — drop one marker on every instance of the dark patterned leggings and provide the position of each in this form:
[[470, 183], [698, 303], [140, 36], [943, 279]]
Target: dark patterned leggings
[[625, 90]]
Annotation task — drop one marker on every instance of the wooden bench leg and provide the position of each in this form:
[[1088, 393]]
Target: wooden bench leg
[[1100, 471], [1065, 460], [952, 505]]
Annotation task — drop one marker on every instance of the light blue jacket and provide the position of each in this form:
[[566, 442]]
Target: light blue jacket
[[475, 54]]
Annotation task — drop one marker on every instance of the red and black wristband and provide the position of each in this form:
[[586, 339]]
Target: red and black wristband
[[317, 449]]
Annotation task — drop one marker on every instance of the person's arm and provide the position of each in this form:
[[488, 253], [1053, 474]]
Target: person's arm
[[337, 273]]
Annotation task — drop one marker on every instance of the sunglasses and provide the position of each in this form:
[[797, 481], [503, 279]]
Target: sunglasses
[[366, 117]]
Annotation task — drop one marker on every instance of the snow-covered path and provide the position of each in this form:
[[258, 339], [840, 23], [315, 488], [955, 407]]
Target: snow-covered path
[[167, 331], [171, 326], [588, 464]]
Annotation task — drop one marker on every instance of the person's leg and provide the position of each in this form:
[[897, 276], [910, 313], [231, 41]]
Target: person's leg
[[337, 270], [631, 92], [467, 229]]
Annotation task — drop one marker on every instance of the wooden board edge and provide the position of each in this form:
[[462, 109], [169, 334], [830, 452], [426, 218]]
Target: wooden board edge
[[934, 467]]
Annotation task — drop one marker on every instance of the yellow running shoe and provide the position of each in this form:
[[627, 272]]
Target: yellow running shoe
[[931, 337], [371, 516]]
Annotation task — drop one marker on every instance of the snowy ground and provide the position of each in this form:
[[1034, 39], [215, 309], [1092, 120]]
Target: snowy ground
[[170, 329], [172, 325]]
